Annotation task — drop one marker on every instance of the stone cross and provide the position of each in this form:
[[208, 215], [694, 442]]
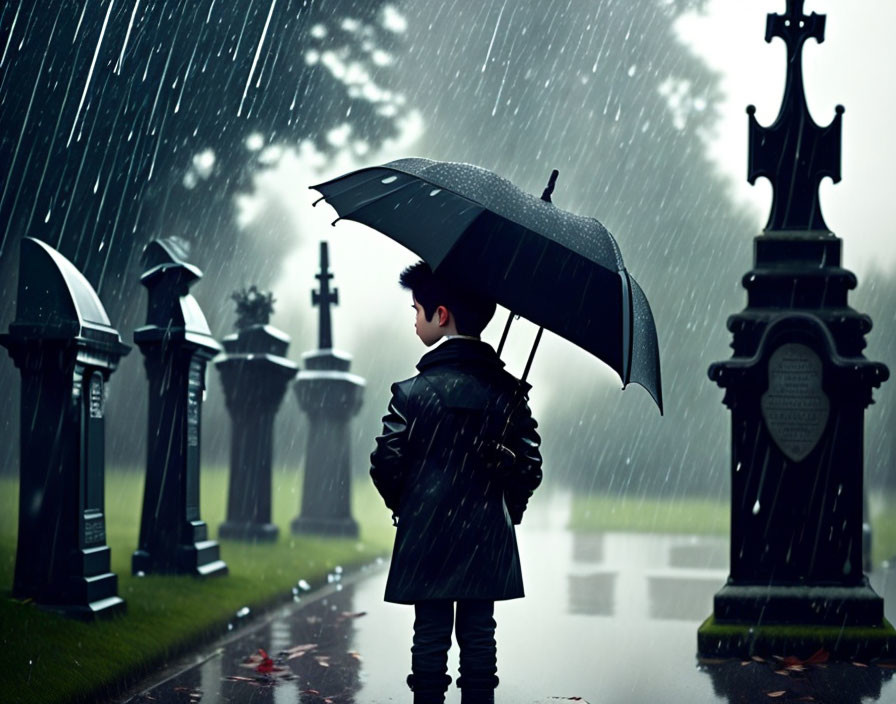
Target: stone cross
[[794, 153], [323, 298]]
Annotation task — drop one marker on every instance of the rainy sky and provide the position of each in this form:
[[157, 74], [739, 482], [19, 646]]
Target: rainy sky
[[641, 106], [851, 68]]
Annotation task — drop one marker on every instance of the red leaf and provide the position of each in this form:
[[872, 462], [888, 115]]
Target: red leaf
[[820, 655]]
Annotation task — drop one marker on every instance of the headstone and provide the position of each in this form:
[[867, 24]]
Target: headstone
[[255, 374], [797, 387], [176, 346], [330, 396], [66, 349]]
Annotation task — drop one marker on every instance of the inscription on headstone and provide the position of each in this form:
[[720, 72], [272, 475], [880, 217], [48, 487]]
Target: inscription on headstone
[[94, 530], [96, 396], [795, 408]]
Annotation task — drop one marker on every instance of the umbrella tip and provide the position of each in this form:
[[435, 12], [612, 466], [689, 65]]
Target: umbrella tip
[[546, 195]]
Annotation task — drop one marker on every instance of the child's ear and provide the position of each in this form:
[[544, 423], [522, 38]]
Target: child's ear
[[442, 312]]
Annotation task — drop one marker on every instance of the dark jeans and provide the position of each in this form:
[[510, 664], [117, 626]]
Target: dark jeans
[[475, 630]]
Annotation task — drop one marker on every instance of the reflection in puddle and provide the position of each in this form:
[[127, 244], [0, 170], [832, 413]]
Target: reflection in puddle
[[592, 594], [588, 547], [328, 665], [836, 682], [682, 597], [700, 553]]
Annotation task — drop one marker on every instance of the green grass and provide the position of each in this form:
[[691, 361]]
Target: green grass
[[634, 514], [50, 659], [700, 516]]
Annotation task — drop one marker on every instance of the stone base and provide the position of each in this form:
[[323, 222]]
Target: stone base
[[101, 608], [200, 560], [742, 640], [86, 598], [341, 527], [244, 530], [857, 605]]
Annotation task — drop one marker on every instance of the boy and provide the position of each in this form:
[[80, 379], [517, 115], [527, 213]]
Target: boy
[[456, 463]]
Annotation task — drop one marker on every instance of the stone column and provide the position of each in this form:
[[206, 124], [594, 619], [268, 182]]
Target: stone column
[[330, 396], [797, 387], [254, 374], [66, 349], [176, 346]]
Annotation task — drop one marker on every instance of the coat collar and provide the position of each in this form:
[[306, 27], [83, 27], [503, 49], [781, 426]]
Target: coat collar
[[460, 349]]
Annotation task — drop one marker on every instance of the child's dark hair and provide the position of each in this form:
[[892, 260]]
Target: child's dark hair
[[471, 312]]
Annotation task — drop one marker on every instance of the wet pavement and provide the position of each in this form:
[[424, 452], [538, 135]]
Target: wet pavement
[[608, 618]]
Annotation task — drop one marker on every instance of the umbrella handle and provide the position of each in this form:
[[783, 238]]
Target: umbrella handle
[[504, 334], [532, 353]]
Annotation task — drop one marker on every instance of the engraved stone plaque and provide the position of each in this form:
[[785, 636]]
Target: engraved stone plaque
[[94, 530], [97, 400], [194, 390], [795, 408]]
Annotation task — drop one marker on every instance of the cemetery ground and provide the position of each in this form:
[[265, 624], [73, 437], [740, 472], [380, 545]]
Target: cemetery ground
[[51, 659], [48, 658]]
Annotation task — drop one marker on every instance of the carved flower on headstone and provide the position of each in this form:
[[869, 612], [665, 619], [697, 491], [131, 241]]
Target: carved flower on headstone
[[253, 307]]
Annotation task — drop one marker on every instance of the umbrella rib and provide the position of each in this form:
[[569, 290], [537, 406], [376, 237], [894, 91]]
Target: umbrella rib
[[363, 204], [347, 188]]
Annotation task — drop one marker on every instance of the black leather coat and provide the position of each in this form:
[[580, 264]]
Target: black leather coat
[[457, 462]]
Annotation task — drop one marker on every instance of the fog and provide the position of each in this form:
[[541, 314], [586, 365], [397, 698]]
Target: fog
[[125, 121]]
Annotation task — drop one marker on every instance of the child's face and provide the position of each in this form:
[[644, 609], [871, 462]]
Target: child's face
[[429, 331]]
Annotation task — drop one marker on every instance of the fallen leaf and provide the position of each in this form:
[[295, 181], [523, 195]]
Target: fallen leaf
[[756, 658], [355, 654], [859, 664], [304, 648], [238, 678], [349, 614], [746, 662], [782, 672], [779, 693], [819, 656]]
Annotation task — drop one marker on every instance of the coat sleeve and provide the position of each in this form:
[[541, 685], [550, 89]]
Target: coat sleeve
[[525, 474], [388, 460]]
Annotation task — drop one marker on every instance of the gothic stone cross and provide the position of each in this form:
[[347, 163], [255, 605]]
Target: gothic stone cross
[[794, 153], [324, 298]]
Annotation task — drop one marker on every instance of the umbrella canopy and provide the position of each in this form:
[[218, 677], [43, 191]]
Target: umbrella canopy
[[559, 270]]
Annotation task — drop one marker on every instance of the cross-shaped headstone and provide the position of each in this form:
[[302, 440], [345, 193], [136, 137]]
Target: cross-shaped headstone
[[794, 153], [323, 298]]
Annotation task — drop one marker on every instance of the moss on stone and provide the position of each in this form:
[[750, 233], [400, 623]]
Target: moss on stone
[[847, 642]]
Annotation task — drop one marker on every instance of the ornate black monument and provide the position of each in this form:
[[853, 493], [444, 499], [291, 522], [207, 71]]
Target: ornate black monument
[[254, 374], [797, 387], [330, 396], [66, 349], [176, 346]]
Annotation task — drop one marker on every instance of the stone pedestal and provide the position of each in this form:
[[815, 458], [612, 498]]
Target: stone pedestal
[[66, 349], [330, 396], [254, 374], [797, 388], [176, 346]]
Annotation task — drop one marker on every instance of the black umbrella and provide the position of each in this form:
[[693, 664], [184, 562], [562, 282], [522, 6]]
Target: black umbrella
[[561, 271]]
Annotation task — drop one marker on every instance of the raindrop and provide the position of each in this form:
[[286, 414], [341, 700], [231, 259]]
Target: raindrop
[[756, 508], [389, 179], [435, 191]]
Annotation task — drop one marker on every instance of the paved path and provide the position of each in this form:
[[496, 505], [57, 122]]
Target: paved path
[[611, 619]]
